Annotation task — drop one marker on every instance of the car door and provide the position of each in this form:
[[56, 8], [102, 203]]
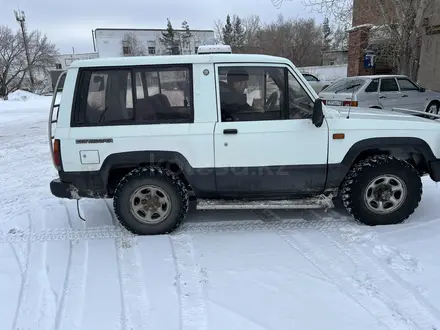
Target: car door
[[389, 95], [412, 98], [276, 151]]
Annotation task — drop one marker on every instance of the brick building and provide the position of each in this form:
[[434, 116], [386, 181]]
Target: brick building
[[363, 35], [365, 16]]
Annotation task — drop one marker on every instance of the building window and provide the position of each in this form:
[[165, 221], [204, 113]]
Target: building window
[[152, 50], [196, 49], [58, 66], [125, 50]]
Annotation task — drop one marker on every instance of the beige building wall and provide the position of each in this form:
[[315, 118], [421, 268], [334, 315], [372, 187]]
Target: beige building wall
[[429, 70]]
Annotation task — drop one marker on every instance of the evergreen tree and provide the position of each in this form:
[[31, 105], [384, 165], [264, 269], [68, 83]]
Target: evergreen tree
[[170, 39], [327, 34], [239, 34], [228, 32], [186, 36]]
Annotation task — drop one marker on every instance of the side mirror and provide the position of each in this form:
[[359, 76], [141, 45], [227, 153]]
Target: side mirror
[[318, 115], [422, 89]]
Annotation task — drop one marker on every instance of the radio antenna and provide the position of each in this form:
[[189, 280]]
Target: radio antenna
[[351, 101]]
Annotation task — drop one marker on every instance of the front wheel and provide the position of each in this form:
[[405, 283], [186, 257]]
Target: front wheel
[[381, 190], [151, 201]]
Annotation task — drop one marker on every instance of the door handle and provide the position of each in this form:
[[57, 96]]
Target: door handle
[[382, 97], [230, 131], [404, 95]]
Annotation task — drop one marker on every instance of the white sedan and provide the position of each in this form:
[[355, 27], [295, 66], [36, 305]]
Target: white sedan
[[317, 84]]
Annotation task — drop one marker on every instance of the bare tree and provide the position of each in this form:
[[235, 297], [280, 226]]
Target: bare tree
[[252, 27], [12, 61], [132, 46], [42, 57], [14, 64], [398, 25], [218, 31], [340, 38], [299, 40]]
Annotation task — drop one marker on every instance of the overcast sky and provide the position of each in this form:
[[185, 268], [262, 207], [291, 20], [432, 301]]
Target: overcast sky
[[69, 23]]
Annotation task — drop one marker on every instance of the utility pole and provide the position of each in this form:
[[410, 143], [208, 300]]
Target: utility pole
[[21, 19]]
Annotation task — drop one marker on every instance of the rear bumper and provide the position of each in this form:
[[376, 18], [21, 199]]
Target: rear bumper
[[434, 170], [63, 190], [69, 190]]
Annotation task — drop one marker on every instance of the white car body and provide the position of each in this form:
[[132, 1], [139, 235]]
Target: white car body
[[256, 155]]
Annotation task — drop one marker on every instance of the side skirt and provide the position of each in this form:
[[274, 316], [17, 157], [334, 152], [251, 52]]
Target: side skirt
[[318, 202]]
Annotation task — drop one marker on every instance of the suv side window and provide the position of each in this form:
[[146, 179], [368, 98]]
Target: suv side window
[[388, 85], [251, 93], [407, 85], [164, 95], [300, 103], [104, 97], [138, 95]]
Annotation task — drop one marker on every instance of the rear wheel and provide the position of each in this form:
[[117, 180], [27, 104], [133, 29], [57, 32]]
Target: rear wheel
[[434, 108], [151, 201], [381, 190]]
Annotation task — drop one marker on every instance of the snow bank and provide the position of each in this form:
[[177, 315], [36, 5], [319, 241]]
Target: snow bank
[[328, 72], [23, 96]]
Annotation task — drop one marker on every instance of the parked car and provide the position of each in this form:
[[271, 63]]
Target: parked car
[[317, 84], [122, 131], [381, 92]]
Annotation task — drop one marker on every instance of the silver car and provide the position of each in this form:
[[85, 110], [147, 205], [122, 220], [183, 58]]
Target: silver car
[[381, 92]]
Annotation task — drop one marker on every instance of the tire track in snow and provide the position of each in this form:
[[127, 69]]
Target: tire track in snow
[[136, 308], [259, 225], [190, 281], [36, 300], [70, 310], [116, 231], [336, 275], [390, 287], [63, 234], [24, 281]]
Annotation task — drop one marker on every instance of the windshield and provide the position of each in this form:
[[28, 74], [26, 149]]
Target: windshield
[[350, 84]]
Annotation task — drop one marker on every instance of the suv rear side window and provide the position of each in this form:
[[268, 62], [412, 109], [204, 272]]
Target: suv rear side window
[[135, 95]]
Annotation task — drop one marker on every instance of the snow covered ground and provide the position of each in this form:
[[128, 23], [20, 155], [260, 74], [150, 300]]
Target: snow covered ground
[[222, 270]]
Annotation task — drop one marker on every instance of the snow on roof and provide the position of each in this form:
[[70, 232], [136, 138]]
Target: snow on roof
[[357, 27]]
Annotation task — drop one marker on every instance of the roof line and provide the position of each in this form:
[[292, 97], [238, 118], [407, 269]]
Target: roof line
[[131, 29]]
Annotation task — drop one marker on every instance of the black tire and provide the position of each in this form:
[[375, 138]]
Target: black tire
[[165, 180], [364, 172], [437, 104]]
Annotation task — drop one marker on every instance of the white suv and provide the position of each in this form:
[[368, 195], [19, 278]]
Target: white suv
[[229, 131]]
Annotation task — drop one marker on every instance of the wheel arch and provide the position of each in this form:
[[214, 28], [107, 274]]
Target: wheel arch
[[414, 150], [117, 165]]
